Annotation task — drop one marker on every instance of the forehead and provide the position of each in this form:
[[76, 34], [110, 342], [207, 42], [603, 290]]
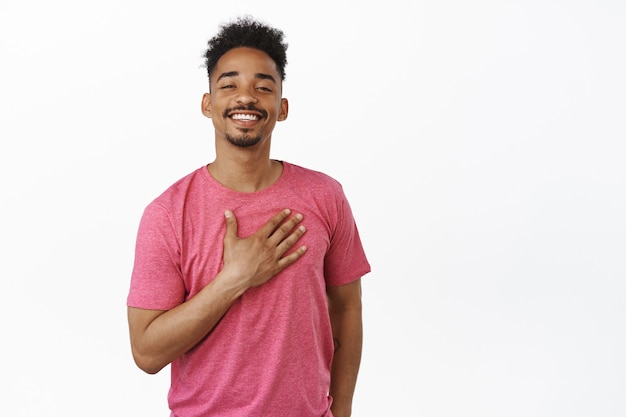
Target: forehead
[[245, 60]]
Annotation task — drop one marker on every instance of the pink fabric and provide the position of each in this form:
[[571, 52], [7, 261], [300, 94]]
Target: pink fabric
[[271, 353]]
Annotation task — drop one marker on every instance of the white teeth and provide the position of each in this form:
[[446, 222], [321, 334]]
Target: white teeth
[[241, 116]]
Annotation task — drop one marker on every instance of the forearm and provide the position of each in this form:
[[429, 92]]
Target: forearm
[[171, 333], [348, 336]]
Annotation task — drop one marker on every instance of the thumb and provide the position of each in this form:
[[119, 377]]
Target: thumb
[[231, 225]]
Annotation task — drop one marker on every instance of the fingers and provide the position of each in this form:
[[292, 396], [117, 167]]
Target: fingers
[[270, 227], [274, 230], [286, 236], [292, 257]]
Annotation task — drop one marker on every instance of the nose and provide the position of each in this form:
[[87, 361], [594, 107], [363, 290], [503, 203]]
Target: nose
[[246, 96]]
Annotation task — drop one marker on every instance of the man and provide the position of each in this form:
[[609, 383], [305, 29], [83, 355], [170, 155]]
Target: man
[[247, 271]]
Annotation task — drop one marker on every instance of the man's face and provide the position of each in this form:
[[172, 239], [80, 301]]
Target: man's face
[[245, 100]]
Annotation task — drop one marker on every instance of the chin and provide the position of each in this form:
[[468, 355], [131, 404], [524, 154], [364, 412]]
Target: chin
[[243, 141]]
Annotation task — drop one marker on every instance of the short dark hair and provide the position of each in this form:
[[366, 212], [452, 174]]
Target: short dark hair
[[251, 33]]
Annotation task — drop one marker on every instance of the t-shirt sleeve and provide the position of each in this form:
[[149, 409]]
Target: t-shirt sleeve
[[156, 281], [346, 260]]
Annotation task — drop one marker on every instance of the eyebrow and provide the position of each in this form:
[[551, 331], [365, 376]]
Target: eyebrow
[[258, 75]]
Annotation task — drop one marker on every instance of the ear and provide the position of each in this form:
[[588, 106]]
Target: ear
[[206, 105], [284, 109]]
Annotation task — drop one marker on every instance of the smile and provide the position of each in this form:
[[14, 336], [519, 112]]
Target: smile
[[244, 116]]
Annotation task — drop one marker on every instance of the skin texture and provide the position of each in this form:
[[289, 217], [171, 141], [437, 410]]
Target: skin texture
[[246, 82], [344, 304]]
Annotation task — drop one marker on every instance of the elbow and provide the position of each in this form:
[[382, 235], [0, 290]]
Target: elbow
[[152, 370], [147, 363]]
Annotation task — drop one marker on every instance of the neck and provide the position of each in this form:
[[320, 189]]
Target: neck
[[245, 173]]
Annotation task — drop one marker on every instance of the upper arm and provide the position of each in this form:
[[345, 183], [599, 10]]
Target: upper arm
[[344, 296]]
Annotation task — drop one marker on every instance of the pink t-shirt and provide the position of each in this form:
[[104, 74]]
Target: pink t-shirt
[[271, 353]]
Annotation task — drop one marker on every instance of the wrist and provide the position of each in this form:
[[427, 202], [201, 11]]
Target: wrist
[[229, 284]]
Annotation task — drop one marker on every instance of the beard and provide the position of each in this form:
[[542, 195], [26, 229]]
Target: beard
[[243, 141]]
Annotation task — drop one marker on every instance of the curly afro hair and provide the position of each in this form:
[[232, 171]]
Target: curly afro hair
[[251, 33]]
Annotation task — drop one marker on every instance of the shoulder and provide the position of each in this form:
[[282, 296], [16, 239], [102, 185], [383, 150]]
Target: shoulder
[[180, 191], [311, 177]]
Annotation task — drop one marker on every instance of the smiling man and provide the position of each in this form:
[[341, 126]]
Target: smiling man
[[247, 271]]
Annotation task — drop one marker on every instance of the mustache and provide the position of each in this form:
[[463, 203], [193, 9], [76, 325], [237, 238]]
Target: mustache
[[249, 107]]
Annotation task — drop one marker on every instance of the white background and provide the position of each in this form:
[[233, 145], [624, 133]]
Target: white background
[[481, 144]]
